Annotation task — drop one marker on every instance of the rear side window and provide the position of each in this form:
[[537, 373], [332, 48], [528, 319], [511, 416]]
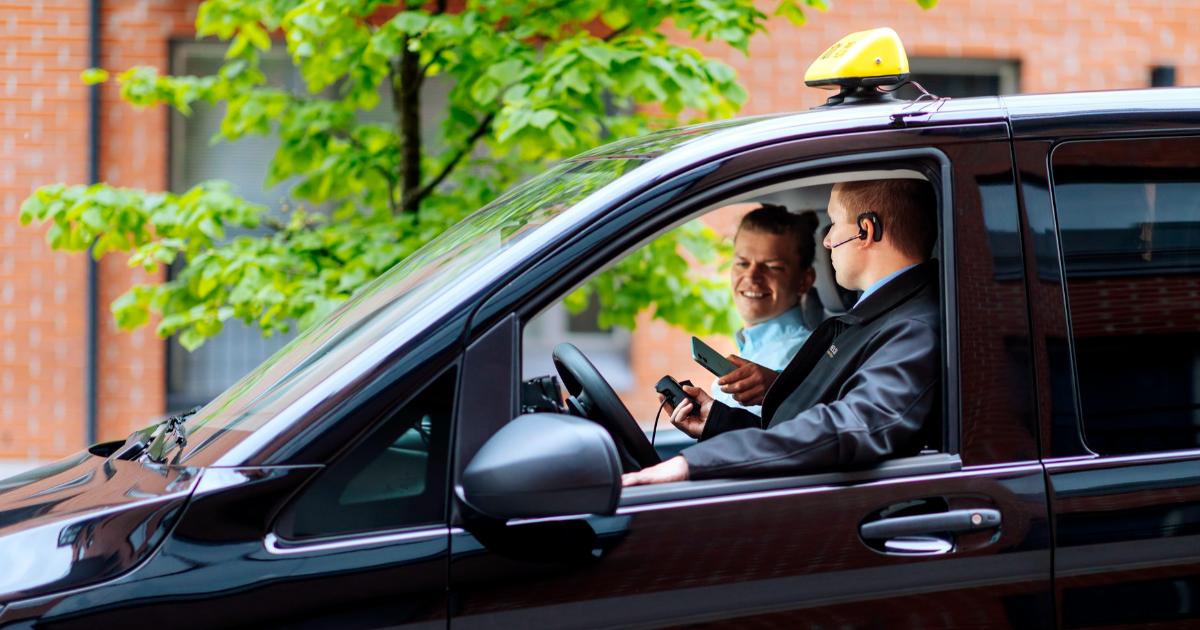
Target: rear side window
[[394, 478], [1129, 218]]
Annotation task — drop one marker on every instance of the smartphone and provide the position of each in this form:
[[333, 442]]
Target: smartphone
[[711, 359]]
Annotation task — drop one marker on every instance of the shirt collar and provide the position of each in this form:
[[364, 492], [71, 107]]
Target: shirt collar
[[889, 295], [786, 323], [874, 287]]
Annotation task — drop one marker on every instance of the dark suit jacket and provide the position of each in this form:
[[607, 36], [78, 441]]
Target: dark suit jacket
[[859, 390]]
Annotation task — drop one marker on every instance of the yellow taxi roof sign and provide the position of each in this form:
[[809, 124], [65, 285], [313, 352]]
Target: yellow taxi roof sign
[[866, 58]]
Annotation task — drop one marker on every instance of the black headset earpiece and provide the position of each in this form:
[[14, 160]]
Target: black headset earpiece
[[874, 219], [862, 231]]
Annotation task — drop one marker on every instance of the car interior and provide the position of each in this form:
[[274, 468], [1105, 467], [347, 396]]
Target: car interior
[[542, 391]]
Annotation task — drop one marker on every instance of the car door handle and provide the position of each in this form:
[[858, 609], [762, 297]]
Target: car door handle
[[954, 521]]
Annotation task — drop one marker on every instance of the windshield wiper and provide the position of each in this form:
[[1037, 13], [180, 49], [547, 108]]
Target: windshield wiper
[[155, 444]]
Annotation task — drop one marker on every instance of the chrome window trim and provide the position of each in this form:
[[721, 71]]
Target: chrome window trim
[[1025, 467], [1134, 458], [275, 546]]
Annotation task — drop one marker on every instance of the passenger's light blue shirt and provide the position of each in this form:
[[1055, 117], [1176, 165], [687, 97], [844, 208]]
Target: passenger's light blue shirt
[[771, 344], [874, 287]]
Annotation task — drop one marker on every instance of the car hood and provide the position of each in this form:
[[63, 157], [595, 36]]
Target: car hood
[[83, 520]]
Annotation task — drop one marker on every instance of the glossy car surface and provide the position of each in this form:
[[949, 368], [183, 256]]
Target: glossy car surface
[[326, 489]]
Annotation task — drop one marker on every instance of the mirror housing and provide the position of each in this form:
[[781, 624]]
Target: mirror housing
[[544, 464]]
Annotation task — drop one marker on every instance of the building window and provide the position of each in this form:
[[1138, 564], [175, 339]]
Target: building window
[[194, 378], [960, 78], [607, 348]]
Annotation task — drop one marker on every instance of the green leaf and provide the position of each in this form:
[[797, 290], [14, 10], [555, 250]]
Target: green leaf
[[94, 218], [485, 91], [574, 80], [92, 76], [191, 339], [543, 117], [256, 35], [506, 72], [790, 10], [411, 22], [599, 54], [927, 4], [129, 312], [31, 208], [211, 228], [561, 136]]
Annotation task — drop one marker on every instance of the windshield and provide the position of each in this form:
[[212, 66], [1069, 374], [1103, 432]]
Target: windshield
[[390, 300]]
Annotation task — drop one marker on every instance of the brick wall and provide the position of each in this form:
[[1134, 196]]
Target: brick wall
[[1060, 45], [43, 130]]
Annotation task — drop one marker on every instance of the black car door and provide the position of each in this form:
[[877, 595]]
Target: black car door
[[792, 552], [1122, 366]]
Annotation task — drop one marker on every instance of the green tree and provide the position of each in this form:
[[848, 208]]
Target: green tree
[[535, 81]]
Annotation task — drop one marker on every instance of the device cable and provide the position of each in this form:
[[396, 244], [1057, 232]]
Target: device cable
[[654, 431]]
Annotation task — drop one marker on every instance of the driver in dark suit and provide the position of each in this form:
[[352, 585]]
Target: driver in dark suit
[[865, 384]]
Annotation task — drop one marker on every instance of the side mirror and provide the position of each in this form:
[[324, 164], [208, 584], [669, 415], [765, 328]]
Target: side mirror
[[544, 464]]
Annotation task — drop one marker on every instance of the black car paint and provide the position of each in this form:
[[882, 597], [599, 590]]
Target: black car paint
[[102, 518], [777, 558]]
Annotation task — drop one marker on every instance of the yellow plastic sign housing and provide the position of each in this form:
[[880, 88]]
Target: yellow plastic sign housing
[[862, 59]]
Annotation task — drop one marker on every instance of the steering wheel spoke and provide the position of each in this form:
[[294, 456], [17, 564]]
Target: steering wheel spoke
[[593, 398]]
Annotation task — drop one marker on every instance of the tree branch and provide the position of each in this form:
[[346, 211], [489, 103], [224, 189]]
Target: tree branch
[[479, 133], [613, 35], [408, 92]]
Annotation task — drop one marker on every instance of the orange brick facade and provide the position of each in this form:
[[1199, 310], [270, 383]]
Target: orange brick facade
[[1059, 45]]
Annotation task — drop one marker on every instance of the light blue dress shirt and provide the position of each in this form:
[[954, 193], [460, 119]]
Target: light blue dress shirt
[[772, 344], [874, 287]]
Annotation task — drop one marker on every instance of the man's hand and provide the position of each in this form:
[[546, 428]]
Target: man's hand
[[691, 425], [674, 469], [748, 384]]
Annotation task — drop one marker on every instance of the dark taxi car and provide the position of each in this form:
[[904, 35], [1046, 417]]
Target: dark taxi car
[[392, 468]]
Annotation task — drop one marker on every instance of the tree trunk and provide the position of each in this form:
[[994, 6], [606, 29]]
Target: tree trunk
[[408, 102]]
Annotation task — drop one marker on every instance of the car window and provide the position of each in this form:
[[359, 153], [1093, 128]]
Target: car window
[[1129, 219], [393, 478], [650, 346]]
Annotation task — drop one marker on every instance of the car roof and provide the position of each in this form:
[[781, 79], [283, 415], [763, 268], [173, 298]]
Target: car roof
[[755, 130], [1075, 113], [1031, 115]]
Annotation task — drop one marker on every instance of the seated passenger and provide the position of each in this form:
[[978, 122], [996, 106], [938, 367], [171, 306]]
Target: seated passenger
[[772, 269], [864, 384]]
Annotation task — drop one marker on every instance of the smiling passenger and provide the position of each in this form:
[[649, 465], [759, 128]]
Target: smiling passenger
[[771, 271]]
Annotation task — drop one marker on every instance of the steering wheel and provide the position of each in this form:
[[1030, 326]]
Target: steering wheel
[[593, 398]]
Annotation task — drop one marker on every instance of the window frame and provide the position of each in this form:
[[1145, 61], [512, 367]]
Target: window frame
[[385, 407], [925, 158]]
